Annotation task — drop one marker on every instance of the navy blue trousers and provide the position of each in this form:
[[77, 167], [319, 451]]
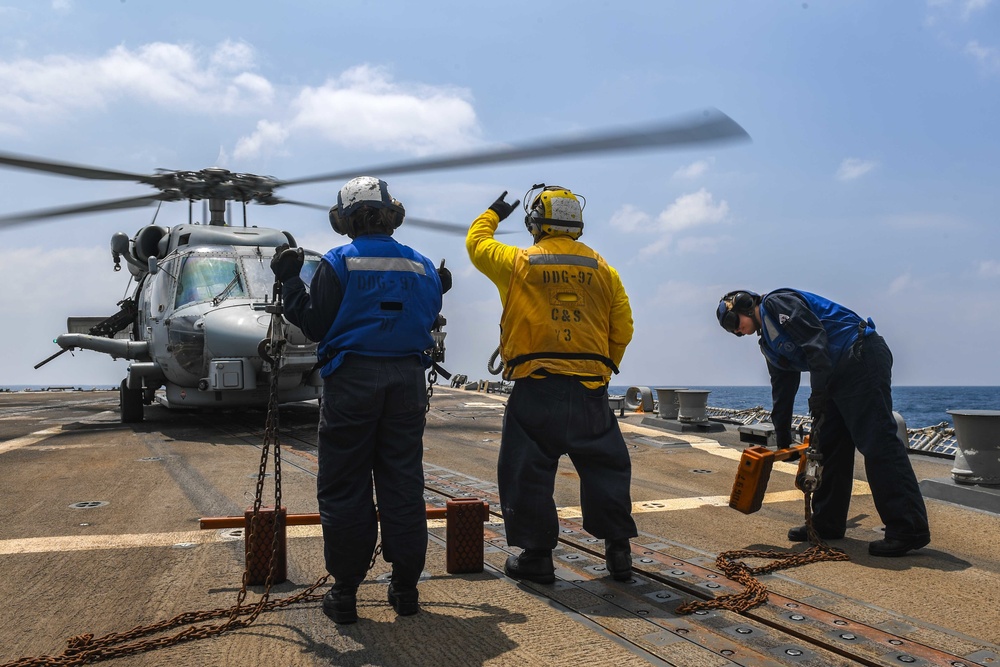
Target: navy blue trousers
[[371, 430], [544, 419], [858, 414]]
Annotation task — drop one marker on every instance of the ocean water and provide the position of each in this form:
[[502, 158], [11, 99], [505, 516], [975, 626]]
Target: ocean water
[[920, 406]]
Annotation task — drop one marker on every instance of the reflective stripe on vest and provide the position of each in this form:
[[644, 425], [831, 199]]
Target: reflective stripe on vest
[[384, 264]]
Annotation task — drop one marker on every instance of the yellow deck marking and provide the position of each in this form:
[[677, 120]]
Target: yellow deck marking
[[37, 545], [712, 447], [31, 439]]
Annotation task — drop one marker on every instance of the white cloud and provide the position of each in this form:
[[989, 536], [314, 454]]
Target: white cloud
[[964, 8], [901, 283], [696, 209], [695, 169], [267, 136], [630, 219], [969, 7], [988, 57], [692, 210], [989, 268], [365, 107], [32, 270], [232, 56], [853, 168], [175, 76]]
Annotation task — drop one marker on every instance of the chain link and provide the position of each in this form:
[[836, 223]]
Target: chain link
[[432, 378], [85, 649], [755, 593]]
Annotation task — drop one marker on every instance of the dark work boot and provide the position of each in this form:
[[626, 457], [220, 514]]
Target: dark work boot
[[894, 548], [340, 604], [531, 565], [800, 534], [404, 600], [618, 556]]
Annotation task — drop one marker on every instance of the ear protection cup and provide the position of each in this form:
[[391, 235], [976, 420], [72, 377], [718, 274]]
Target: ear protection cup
[[336, 221], [734, 304], [743, 302]]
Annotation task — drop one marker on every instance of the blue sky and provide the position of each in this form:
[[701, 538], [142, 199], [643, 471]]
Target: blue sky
[[872, 177]]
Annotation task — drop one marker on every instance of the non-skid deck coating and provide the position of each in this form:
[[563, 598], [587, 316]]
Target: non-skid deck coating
[[101, 534]]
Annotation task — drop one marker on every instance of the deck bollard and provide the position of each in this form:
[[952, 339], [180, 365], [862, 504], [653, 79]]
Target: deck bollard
[[977, 460], [668, 402], [260, 546], [692, 404]]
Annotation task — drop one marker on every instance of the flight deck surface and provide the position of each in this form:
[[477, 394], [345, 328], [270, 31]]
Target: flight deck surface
[[101, 535]]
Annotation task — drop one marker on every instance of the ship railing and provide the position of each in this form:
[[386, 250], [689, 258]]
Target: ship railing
[[938, 439]]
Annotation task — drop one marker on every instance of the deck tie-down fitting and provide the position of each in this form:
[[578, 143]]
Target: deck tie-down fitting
[[464, 542]]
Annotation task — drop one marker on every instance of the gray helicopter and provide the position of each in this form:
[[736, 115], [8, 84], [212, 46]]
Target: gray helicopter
[[197, 324]]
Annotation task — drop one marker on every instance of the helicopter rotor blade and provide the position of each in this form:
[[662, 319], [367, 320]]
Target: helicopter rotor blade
[[95, 207], [433, 225], [68, 169], [706, 127], [318, 207]]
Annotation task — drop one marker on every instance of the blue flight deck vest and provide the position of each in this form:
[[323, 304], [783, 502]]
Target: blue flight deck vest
[[842, 327], [391, 299]]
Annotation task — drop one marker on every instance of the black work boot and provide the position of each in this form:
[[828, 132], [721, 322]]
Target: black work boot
[[618, 557], [404, 600], [340, 603], [888, 548], [801, 534], [531, 565]]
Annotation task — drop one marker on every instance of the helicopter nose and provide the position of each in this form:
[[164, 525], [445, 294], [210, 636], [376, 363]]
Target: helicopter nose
[[234, 332]]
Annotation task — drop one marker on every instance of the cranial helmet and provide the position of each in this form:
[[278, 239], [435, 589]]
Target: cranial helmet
[[734, 304], [358, 200], [554, 210]]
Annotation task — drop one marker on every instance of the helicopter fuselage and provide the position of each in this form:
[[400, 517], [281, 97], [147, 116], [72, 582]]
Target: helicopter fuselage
[[202, 311]]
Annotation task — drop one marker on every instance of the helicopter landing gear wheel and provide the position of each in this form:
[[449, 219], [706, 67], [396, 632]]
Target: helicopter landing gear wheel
[[131, 403]]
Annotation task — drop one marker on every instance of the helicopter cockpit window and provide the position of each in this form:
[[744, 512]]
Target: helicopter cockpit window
[[260, 279], [207, 277]]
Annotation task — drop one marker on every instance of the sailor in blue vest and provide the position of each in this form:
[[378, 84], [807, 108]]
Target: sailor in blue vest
[[850, 371], [371, 306]]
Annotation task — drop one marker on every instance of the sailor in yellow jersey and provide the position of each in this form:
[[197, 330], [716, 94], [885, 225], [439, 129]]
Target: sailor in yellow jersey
[[566, 322]]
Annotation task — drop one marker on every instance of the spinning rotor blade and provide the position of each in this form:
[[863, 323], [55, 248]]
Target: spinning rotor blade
[[318, 207], [68, 169], [434, 225], [709, 126], [96, 207]]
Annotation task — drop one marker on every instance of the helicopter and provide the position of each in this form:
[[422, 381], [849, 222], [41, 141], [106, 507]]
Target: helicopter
[[198, 320]]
